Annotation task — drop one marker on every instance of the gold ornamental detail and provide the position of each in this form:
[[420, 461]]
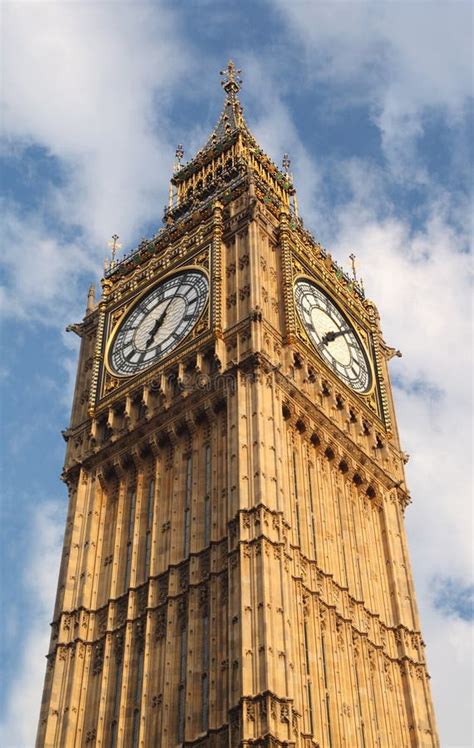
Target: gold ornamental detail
[[289, 306], [216, 270], [97, 354]]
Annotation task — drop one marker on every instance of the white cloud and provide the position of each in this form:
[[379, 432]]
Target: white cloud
[[403, 60], [273, 127], [20, 721], [89, 83], [41, 271]]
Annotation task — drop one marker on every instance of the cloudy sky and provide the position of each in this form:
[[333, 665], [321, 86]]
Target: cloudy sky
[[373, 102]]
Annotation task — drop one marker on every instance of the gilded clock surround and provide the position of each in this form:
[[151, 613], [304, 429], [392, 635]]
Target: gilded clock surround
[[126, 296], [116, 319], [362, 334], [235, 569], [360, 316]]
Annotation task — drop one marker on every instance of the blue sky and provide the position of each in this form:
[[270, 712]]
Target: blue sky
[[373, 102]]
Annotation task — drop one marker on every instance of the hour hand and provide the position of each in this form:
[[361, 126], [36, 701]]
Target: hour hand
[[154, 329]]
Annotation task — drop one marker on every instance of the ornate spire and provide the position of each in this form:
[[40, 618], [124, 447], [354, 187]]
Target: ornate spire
[[91, 299], [231, 150], [231, 118]]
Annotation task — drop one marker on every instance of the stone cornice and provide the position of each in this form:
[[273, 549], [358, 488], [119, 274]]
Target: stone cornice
[[397, 642], [307, 409], [303, 409]]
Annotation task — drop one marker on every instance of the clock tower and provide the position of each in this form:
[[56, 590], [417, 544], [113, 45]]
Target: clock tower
[[235, 569]]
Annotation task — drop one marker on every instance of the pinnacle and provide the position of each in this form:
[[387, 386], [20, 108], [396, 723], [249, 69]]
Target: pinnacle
[[231, 118]]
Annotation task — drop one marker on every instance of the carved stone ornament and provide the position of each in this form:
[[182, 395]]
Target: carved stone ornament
[[142, 599], [98, 656], [163, 588], [121, 611], [160, 623], [118, 646], [182, 613]]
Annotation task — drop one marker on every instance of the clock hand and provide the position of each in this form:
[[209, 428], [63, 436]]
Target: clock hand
[[331, 335], [160, 320], [155, 328]]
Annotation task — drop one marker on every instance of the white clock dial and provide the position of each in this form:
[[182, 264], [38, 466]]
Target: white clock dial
[[333, 336], [158, 322]]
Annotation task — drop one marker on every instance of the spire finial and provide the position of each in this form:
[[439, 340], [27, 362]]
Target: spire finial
[[179, 153], [232, 80], [352, 258], [114, 247], [286, 163]]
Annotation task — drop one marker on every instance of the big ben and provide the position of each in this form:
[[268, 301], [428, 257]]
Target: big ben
[[235, 569]]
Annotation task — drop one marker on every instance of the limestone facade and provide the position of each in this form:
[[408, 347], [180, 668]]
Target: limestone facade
[[235, 568]]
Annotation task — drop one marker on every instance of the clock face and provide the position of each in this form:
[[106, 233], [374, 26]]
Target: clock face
[[333, 336], [158, 322]]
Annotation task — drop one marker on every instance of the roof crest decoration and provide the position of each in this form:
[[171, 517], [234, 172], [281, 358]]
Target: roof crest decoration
[[219, 169]]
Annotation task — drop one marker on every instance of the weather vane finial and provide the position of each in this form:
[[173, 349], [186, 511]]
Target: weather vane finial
[[232, 80], [352, 258], [179, 153], [114, 246]]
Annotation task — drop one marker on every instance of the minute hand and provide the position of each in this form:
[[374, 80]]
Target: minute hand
[[160, 320], [330, 336]]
